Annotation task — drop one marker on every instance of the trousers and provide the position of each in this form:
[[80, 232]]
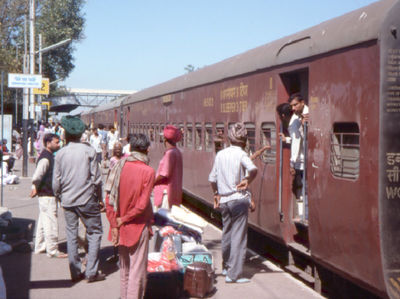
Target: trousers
[[90, 216], [234, 236], [133, 267], [47, 226]]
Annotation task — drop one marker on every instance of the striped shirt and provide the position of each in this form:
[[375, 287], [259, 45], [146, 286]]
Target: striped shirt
[[229, 169]]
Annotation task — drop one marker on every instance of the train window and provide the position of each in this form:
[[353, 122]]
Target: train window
[[209, 137], [189, 135], [161, 133], [146, 132], [345, 150], [251, 138], [268, 137], [198, 137], [182, 128], [219, 140], [151, 132]]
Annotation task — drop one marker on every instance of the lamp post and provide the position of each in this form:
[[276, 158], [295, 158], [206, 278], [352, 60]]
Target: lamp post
[[44, 50], [29, 98]]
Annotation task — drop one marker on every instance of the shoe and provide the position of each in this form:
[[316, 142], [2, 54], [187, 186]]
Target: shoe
[[58, 254], [240, 280], [243, 280], [224, 272], [78, 278], [98, 277]]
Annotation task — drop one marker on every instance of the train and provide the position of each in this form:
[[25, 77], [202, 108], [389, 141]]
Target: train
[[348, 71]]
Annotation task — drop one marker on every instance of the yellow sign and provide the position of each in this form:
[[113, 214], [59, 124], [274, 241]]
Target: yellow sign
[[44, 89], [46, 104]]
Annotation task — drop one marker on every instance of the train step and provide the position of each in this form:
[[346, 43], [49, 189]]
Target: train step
[[300, 248], [300, 274]]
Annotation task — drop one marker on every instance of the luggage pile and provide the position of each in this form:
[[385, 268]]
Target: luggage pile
[[179, 264], [13, 236]]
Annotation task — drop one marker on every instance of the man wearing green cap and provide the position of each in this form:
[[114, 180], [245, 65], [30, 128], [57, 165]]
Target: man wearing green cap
[[77, 183]]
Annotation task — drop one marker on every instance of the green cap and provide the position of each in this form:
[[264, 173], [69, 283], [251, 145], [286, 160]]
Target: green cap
[[72, 125]]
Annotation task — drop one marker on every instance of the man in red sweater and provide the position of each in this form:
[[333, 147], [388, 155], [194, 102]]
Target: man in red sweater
[[130, 213]]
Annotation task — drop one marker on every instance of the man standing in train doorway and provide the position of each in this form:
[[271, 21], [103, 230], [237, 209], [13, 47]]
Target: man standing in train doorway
[[168, 183], [232, 173], [77, 183], [297, 141]]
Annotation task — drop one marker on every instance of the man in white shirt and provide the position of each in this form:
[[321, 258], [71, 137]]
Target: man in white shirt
[[95, 141], [230, 177], [112, 138], [296, 133]]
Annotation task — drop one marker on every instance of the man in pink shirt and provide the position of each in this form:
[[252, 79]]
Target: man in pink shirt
[[129, 211], [168, 183]]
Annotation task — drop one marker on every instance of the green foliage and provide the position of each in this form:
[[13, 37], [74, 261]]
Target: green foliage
[[56, 20]]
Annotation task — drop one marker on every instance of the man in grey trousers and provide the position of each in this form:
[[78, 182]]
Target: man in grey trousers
[[77, 183], [230, 177]]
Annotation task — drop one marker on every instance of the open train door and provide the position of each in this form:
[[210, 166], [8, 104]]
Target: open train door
[[296, 208]]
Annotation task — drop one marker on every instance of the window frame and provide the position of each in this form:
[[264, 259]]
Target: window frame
[[338, 146], [269, 155]]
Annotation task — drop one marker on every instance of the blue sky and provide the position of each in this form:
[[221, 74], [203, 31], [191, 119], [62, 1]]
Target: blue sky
[[132, 45]]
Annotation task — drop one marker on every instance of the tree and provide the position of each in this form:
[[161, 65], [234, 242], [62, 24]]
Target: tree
[[11, 19], [56, 20], [189, 68]]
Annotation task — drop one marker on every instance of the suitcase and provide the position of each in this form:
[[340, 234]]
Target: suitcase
[[198, 280], [193, 252], [165, 285]]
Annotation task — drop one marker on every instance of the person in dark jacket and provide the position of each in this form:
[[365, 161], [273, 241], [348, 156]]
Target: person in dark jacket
[[47, 226]]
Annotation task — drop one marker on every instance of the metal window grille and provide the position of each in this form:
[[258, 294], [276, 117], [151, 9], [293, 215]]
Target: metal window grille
[[199, 136], [268, 137], [160, 133], [251, 138], [208, 137], [345, 150], [151, 132], [219, 139], [182, 128], [189, 135]]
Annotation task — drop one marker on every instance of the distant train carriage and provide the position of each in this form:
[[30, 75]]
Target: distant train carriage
[[107, 115], [348, 70]]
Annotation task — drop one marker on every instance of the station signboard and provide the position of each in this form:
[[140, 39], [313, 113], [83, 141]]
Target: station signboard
[[24, 81], [44, 90]]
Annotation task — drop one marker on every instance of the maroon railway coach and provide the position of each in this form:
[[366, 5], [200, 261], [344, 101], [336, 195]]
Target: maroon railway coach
[[348, 69], [107, 115]]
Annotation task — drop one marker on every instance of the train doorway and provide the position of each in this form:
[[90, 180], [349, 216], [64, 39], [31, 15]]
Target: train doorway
[[294, 171]]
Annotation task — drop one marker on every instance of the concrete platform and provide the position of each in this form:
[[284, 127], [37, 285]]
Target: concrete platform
[[28, 275]]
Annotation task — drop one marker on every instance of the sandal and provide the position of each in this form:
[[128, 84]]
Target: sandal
[[58, 254]]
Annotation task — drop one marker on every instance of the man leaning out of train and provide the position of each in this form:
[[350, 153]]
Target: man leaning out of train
[[230, 186]]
